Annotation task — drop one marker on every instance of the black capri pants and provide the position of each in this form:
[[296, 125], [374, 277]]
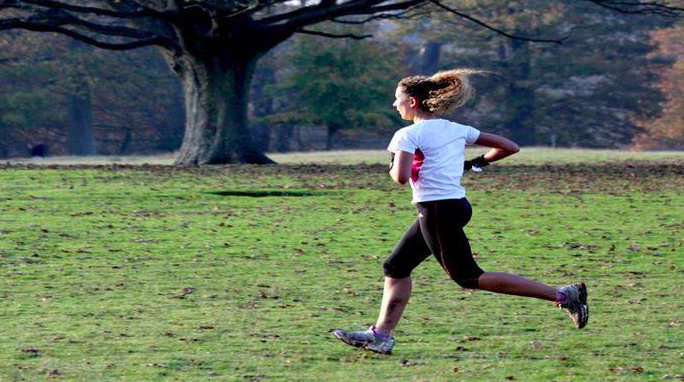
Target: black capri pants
[[437, 230]]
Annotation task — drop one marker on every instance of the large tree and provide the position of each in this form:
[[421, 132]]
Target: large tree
[[214, 45]]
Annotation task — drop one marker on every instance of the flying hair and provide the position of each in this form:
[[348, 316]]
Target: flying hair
[[443, 91]]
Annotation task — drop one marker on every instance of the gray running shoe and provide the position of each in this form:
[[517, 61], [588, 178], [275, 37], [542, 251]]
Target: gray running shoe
[[366, 340], [576, 304]]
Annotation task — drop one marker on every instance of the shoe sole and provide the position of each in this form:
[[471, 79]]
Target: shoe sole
[[377, 351], [583, 300], [354, 344], [360, 345]]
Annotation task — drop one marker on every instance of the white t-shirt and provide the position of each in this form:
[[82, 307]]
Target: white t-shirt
[[438, 146]]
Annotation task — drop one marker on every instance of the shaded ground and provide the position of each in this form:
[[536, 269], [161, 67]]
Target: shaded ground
[[556, 178]]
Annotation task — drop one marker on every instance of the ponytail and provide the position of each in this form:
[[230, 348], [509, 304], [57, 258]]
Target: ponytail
[[441, 92]]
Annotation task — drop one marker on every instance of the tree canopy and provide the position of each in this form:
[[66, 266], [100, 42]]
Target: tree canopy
[[341, 85], [569, 93], [214, 45]]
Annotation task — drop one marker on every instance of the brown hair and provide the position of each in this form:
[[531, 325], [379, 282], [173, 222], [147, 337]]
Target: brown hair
[[441, 92]]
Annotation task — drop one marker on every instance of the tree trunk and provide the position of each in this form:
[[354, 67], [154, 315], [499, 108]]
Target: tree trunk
[[216, 96], [283, 137], [262, 105], [261, 135], [80, 135], [332, 134], [126, 144], [521, 95], [430, 57], [176, 121]]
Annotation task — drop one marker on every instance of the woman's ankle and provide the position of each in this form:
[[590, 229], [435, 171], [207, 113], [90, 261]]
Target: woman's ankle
[[381, 334]]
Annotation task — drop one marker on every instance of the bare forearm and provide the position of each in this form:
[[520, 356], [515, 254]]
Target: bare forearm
[[394, 174], [401, 168], [494, 155], [501, 147]]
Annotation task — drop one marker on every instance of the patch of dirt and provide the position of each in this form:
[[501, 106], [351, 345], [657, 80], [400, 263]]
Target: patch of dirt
[[576, 178]]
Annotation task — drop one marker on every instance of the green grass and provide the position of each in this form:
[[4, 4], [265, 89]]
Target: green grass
[[527, 156], [238, 273]]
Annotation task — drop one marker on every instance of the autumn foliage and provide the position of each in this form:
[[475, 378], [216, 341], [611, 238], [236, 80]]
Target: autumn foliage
[[667, 131]]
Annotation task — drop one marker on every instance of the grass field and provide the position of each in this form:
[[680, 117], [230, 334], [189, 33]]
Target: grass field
[[239, 273], [527, 156]]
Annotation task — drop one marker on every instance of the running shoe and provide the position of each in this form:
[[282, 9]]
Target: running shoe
[[575, 304], [366, 340]]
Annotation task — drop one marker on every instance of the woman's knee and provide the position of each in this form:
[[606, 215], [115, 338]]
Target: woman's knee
[[467, 283], [468, 278], [395, 271]]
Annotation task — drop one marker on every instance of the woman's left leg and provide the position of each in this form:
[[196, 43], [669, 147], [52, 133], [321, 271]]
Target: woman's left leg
[[444, 222], [499, 282]]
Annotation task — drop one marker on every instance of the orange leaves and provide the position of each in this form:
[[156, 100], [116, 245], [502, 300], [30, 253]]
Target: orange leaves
[[667, 131]]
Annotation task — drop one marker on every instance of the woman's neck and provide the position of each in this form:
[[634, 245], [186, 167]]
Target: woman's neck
[[423, 116]]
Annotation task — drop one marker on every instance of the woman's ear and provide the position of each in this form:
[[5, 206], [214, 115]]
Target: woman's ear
[[413, 102]]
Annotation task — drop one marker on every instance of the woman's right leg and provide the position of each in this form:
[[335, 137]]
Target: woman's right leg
[[407, 255]]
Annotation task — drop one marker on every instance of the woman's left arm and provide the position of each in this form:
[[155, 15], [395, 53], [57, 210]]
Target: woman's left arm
[[502, 147], [401, 170]]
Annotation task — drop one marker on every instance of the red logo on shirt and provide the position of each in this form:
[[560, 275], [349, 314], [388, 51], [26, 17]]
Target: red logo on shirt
[[418, 159]]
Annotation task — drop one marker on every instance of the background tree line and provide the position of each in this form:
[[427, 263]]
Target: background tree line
[[612, 82], [80, 100]]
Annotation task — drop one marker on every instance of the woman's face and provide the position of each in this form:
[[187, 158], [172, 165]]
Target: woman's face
[[405, 105]]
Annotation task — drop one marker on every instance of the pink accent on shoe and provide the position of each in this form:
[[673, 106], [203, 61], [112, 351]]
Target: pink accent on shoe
[[561, 298]]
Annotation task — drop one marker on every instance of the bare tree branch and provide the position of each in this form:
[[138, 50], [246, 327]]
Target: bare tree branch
[[43, 27], [48, 15], [640, 7], [491, 28], [254, 8], [391, 7], [384, 16], [298, 20], [330, 35], [23, 60], [142, 12], [60, 17], [316, 11]]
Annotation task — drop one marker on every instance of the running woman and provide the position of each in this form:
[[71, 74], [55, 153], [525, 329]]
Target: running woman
[[430, 155]]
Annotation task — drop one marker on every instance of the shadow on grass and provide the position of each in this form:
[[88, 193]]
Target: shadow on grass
[[267, 193]]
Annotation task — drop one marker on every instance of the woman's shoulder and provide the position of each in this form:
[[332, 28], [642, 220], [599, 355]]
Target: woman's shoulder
[[410, 129], [454, 124], [445, 126]]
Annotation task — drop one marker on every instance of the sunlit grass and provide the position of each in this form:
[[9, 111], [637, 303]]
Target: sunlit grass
[[527, 156], [158, 273]]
